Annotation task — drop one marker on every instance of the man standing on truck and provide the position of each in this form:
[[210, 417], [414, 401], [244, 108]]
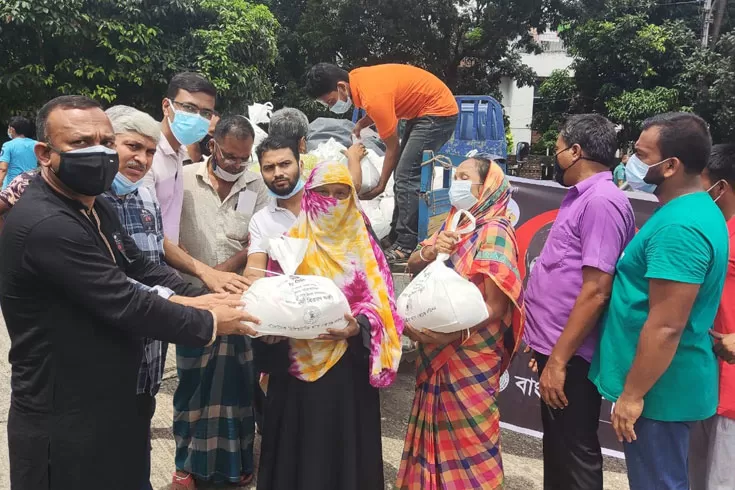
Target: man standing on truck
[[388, 93]]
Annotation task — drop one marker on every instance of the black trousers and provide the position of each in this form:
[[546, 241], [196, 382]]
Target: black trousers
[[572, 454]]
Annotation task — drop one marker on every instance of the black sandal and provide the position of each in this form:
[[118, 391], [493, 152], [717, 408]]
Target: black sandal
[[397, 255]]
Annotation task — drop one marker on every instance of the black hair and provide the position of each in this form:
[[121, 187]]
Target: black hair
[[595, 135], [235, 126], [483, 167], [21, 125], [323, 78], [682, 135], [63, 102], [191, 82], [275, 143], [721, 164]]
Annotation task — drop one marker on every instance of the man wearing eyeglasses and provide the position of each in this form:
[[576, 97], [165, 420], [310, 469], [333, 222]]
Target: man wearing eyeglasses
[[214, 398], [187, 111]]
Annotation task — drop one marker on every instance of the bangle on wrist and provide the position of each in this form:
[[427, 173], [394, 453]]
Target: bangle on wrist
[[421, 254]]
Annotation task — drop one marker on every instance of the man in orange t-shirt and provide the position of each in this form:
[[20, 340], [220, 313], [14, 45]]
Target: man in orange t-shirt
[[389, 93], [712, 444]]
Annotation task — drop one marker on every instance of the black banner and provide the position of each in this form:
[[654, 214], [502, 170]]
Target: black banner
[[534, 206]]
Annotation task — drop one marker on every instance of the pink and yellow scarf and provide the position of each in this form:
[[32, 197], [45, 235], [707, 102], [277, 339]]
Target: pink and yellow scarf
[[342, 249]]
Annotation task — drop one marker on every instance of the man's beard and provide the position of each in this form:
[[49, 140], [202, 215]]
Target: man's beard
[[283, 192]]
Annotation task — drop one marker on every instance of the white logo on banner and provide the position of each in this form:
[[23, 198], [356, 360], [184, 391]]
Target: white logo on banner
[[514, 212], [504, 380]]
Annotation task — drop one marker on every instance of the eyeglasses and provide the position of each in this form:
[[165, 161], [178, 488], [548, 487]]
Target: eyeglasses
[[231, 160], [193, 109]]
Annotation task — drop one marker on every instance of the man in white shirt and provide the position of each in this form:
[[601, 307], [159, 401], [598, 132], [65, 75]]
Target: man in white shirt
[[187, 111]]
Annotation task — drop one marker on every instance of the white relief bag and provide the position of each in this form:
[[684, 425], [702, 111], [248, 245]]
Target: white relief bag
[[439, 299], [298, 307]]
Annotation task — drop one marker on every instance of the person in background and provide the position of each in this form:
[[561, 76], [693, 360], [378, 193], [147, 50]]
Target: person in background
[[462, 370], [712, 446], [292, 124], [187, 113], [75, 320], [322, 414], [619, 172], [566, 294], [198, 151], [17, 155], [214, 397], [655, 358], [389, 93], [136, 137]]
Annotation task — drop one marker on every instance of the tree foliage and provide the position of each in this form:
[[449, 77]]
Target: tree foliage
[[709, 82], [468, 44], [637, 58], [125, 51]]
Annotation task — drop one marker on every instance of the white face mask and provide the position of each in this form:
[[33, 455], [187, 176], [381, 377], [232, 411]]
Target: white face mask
[[713, 186], [636, 172], [341, 106], [460, 194]]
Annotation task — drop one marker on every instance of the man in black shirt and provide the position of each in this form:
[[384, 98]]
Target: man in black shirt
[[74, 319]]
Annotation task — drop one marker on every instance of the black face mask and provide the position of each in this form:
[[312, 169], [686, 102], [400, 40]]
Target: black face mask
[[558, 171], [89, 171]]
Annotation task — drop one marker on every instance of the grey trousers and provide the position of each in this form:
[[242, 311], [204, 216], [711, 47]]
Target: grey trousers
[[422, 133], [712, 454]]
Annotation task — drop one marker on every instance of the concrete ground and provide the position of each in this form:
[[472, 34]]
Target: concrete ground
[[521, 454]]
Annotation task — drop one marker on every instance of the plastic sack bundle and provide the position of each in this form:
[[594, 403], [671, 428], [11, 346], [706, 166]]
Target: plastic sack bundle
[[298, 307], [441, 300], [331, 151]]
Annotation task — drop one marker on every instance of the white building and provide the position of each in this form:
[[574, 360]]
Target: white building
[[518, 101]]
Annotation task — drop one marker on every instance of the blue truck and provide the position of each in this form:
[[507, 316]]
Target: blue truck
[[479, 127]]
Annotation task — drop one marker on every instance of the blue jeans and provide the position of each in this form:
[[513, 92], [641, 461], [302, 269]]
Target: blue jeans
[[657, 460]]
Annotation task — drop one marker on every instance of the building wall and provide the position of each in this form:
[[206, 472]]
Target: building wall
[[518, 101]]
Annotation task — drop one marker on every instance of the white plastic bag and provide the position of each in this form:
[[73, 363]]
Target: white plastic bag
[[331, 151], [441, 300], [260, 113], [299, 307]]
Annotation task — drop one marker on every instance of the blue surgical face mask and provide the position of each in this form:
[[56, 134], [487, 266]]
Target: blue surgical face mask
[[341, 106], [460, 194], [187, 128], [636, 172], [298, 188], [123, 186]]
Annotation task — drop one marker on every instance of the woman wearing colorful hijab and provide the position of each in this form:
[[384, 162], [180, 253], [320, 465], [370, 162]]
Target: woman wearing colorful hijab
[[453, 438], [322, 413]]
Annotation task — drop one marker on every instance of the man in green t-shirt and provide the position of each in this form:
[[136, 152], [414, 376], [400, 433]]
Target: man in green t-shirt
[[655, 357], [619, 171]]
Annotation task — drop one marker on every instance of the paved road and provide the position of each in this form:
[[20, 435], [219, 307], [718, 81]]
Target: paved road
[[521, 454]]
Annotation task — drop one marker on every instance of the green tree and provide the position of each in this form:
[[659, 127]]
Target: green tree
[[709, 82], [557, 98], [468, 44], [126, 51], [631, 108]]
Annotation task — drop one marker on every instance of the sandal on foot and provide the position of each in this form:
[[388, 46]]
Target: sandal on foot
[[245, 480], [397, 255], [183, 482]]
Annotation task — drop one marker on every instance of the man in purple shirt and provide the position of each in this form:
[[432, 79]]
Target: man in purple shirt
[[568, 290]]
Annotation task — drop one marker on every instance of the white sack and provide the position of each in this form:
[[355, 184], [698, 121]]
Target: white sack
[[379, 220], [331, 151], [298, 307], [441, 300]]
